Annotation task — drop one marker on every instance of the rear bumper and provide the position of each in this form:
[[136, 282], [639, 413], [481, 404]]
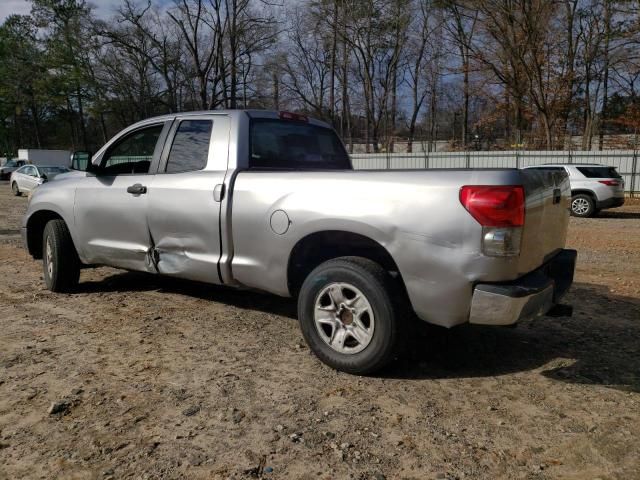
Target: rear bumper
[[528, 297], [612, 202]]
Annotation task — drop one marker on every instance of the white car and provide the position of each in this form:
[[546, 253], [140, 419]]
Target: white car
[[593, 187], [28, 177]]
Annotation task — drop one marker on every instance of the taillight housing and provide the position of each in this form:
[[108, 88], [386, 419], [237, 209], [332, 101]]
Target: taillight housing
[[500, 210], [610, 183], [494, 206]]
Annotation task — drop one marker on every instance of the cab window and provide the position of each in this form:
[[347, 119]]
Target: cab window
[[133, 153], [190, 148]]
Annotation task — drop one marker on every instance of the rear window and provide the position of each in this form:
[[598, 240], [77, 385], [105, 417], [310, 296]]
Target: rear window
[[295, 146], [190, 148], [599, 172]]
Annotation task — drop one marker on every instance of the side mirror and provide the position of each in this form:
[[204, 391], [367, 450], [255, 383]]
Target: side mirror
[[81, 160], [44, 177]]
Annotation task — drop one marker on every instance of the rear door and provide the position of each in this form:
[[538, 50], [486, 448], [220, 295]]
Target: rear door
[[184, 203], [111, 207]]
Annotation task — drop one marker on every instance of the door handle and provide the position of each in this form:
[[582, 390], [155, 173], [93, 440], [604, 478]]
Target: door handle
[[137, 189], [218, 192]]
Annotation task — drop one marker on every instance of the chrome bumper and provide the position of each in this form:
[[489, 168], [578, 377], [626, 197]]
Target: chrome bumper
[[528, 297]]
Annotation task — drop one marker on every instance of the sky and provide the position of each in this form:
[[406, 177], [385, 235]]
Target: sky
[[103, 8]]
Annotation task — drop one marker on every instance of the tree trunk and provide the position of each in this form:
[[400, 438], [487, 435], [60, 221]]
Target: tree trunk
[[605, 79], [412, 130], [465, 93], [276, 91], [547, 130], [103, 128], [334, 51], [432, 120], [83, 129], [36, 125], [344, 121], [233, 40]]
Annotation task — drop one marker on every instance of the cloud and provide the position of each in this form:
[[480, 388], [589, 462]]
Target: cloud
[[101, 8], [13, 7]]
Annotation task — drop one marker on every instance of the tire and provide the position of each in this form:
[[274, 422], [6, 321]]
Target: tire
[[14, 188], [59, 258], [582, 206], [333, 288]]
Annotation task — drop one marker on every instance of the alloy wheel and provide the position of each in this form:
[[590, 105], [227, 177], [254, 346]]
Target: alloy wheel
[[344, 318]]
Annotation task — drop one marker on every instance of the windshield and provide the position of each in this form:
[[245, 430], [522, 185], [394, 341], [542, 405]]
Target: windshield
[[54, 169], [288, 145]]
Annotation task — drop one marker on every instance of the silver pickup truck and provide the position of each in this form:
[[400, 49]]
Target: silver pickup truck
[[270, 201]]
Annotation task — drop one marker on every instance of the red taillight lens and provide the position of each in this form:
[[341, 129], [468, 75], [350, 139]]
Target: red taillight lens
[[295, 117], [610, 183], [494, 206]]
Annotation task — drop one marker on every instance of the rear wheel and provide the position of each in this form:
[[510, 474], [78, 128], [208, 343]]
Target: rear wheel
[[582, 205], [348, 315], [15, 189], [59, 258]]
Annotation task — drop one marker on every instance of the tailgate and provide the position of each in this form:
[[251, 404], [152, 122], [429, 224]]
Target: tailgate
[[548, 200]]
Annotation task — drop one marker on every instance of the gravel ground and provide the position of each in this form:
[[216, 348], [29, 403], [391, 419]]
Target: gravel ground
[[140, 377]]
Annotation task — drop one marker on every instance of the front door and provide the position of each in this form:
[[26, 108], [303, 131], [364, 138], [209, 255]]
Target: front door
[[184, 205], [111, 206], [29, 179]]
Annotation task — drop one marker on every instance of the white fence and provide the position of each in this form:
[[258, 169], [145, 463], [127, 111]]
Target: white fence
[[625, 161]]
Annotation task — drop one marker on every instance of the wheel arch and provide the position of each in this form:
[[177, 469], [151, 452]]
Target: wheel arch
[[584, 191], [35, 229], [318, 247]]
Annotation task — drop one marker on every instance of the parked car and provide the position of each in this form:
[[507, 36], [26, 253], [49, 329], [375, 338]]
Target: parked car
[[28, 177], [8, 168], [269, 201], [593, 187]]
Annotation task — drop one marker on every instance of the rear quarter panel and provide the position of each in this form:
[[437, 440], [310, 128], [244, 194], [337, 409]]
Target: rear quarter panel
[[415, 215]]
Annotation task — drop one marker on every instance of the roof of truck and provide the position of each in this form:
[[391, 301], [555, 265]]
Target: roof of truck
[[252, 113]]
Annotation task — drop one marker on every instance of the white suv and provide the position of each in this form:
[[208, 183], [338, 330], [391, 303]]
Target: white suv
[[593, 187]]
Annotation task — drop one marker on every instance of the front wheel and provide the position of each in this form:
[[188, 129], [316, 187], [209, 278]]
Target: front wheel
[[59, 258], [348, 315], [14, 188], [582, 205]]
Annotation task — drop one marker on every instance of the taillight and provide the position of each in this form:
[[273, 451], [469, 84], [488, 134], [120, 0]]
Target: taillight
[[296, 117], [610, 183], [494, 206], [500, 211]]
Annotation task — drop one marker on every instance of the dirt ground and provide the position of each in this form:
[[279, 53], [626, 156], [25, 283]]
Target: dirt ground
[[165, 379]]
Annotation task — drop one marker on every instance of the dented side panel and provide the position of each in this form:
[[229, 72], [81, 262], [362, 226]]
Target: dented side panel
[[184, 214], [111, 223], [184, 225]]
